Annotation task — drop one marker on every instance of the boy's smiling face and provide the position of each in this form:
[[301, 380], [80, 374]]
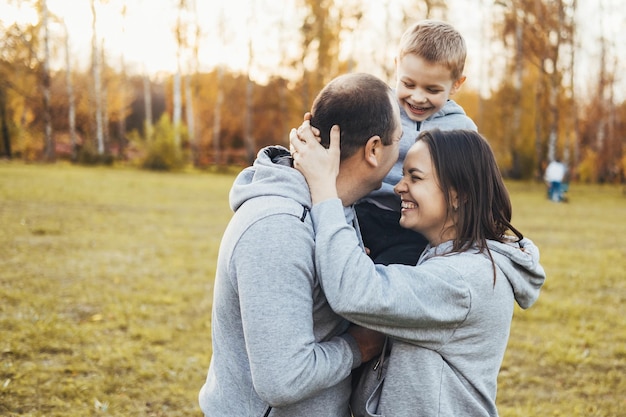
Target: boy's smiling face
[[423, 87]]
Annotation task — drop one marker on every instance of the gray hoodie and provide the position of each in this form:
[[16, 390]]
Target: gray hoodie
[[449, 322], [451, 116], [278, 348]]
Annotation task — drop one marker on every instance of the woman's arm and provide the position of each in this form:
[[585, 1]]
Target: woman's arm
[[420, 304]]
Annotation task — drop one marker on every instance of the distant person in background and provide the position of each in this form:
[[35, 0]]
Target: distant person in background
[[554, 176], [278, 348]]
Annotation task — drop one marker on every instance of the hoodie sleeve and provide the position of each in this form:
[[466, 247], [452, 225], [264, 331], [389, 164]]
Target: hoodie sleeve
[[275, 278], [421, 305]]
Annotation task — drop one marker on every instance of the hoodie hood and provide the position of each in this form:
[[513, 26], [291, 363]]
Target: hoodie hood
[[519, 262], [271, 174], [450, 116]]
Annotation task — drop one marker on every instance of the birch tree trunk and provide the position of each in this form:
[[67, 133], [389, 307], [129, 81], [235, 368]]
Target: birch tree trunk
[[178, 103], [105, 102], [71, 114], [247, 134], [49, 145], [97, 83], [121, 123], [518, 80], [177, 108], [192, 71], [189, 115]]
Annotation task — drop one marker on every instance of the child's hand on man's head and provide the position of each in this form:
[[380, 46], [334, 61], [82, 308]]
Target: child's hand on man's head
[[306, 131]]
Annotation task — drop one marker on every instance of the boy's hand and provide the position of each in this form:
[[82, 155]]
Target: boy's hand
[[306, 131]]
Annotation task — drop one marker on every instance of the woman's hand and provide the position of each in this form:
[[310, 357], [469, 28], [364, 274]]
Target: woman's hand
[[320, 166]]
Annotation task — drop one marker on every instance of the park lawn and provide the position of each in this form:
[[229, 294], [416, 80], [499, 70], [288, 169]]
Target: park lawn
[[106, 278]]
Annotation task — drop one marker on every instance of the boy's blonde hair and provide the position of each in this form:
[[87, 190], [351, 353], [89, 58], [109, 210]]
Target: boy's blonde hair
[[436, 42]]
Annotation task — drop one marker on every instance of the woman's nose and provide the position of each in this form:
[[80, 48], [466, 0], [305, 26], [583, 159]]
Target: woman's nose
[[399, 188]]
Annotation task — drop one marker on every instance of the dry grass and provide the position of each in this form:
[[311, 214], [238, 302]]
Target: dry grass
[[105, 295]]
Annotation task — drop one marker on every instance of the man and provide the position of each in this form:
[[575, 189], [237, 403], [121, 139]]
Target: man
[[278, 348]]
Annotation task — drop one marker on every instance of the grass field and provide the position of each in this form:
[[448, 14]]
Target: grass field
[[105, 295]]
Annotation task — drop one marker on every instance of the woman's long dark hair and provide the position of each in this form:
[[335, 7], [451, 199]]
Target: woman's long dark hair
[[465, 163]]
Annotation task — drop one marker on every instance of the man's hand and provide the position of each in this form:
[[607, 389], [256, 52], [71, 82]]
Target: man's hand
[[370, 342]]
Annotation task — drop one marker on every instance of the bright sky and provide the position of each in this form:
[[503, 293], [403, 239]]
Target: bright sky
[[146, 37]]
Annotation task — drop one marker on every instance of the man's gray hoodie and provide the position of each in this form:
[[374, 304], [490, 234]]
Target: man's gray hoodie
[[451, 116], [448, 318], [278, 348]]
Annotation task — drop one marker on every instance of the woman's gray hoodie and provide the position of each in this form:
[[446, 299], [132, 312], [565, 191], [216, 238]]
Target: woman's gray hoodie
[[449, 321], [278, 348]]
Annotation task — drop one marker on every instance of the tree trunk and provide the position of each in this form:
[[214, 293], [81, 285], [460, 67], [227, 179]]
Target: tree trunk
[[177, 108], [6, 136], [121, 123], [189, 113], [217, 116], [105, 105], [247, 134], [147, 101], [71, 114], [518, 80], [49, 145], [97, 83]]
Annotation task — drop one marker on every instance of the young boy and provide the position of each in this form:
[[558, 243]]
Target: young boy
[[429, 69]]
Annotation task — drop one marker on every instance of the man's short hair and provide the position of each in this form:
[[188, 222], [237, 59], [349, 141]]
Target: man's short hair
[[361, 104], [438, 43]]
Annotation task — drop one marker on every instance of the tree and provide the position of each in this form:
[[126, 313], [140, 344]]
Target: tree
[[217, 118], [249, 111], [122, 91], [96, 68], [49, 146], [4, 125], [191, 73], [71, 115], [147, 100], [539, 31]]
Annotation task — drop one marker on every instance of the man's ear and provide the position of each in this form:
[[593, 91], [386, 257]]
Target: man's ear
[[456, 86], [373, 151]]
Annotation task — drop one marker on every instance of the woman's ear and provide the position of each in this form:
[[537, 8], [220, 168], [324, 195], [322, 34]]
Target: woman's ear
[[454, 200]]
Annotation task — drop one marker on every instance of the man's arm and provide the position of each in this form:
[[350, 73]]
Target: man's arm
[[275, 270]]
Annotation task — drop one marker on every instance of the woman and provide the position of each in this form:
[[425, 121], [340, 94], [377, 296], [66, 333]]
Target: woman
[[449, 316]]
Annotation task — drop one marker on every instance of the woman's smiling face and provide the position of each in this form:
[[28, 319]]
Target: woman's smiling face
[[424, 207]]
